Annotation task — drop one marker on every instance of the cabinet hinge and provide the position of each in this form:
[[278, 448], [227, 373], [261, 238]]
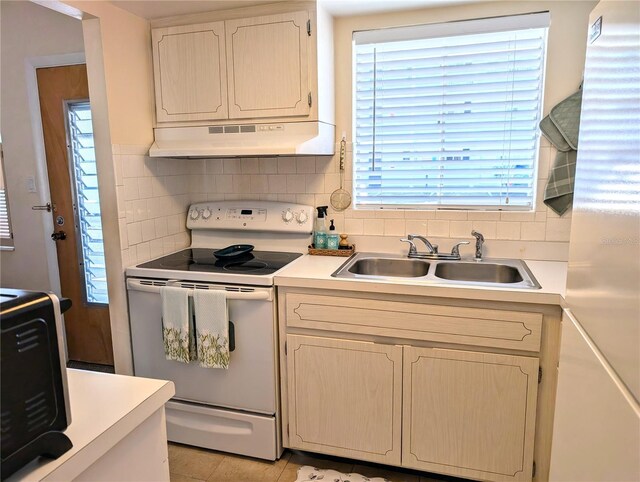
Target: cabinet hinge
[[309, 99], [539, 374], [287, 430], [285, 348], [533, 469], [309, 27]]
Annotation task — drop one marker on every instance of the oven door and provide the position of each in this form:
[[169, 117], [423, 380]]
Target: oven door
[[248, 384]]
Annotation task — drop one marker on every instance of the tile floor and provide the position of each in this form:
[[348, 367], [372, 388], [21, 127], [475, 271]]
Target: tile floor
[[190, 464]]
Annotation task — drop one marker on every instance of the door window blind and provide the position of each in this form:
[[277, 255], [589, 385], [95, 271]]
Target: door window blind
[[446, 115], [6, 237]]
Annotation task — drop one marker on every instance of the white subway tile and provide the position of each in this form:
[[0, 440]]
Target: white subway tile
[[134, 233], [508, 230], [308, 199], [419, 215], [160, 225], [332, 182], [231, 166], [439, 228], [416, 226], [145, 187], [175, 224], [269, 165], [150, 166], [148, 230], [354, 226], [451, 215], [558, 229], [277, 183], [224, 183], [195, 166], [250, 165], [213, 166], [460, 229], [296, 183], [241, 184], [483, 215], [394, 227], [518, 216], [155, 248], [130, 189], [373, 227], [142, 252], [140, 210], [533, 231], [488, 229], [129, 211], [117, 168], [306, 165], [314, 183], [287, 165], [124, 238], [259, 183], [122, 213]]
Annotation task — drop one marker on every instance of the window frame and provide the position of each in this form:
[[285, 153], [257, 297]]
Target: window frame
[[452, 29]]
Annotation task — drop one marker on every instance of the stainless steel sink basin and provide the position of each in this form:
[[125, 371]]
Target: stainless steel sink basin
[[394, 267], [511, 273], [484, 272]]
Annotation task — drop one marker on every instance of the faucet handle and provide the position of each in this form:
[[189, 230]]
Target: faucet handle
[[455, 251], [412, 246]]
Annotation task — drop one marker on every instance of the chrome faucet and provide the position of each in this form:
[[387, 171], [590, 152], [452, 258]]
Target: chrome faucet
[[432, 252], [479, 242], [432, 249]]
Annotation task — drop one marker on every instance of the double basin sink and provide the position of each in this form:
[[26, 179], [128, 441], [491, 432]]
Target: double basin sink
[[512, 273]]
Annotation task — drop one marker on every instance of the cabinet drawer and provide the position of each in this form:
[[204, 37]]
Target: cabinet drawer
[[447, 324]]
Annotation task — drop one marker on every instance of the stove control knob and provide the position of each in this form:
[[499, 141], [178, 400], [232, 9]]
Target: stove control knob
[[195, 214], [287, 216], [302, 217], [206, 214]]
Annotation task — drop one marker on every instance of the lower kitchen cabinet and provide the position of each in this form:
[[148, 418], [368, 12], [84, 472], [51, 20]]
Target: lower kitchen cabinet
[[469, 414], [344, 398]]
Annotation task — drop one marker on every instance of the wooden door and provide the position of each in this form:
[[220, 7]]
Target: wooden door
[[87, 325], [469, 414], [345, 397], [268, 66], [190, 72]]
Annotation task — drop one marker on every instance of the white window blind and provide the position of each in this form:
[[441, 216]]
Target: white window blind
[[6, 237], [446, 115]]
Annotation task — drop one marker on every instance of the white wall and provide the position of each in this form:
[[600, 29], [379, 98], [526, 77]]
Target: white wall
[[27, 31]]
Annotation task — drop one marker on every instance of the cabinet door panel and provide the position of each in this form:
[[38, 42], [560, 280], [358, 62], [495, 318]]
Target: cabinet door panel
[[469, 414], [345, 398], [190, 72], [268, 66]]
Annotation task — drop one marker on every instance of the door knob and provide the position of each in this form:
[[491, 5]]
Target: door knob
[[59, 236]]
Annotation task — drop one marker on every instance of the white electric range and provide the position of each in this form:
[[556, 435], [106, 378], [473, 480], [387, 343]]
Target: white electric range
[[234, 410]]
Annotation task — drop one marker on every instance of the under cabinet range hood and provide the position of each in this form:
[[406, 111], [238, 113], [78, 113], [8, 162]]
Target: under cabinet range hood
[[245, 140]]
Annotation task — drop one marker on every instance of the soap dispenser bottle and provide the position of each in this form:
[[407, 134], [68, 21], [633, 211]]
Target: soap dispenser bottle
[[333, 239], [320, 234]]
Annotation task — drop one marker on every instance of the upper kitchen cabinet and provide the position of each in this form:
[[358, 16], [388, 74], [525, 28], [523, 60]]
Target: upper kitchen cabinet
[[190, 72], [267, 62], [268, 66]]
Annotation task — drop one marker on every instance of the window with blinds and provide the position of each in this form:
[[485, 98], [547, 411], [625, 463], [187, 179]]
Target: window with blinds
[[446, 115], [6, 237]]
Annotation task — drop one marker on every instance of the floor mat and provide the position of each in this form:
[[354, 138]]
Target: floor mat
[[311, 474]]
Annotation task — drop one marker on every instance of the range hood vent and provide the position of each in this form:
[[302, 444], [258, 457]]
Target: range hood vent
[[245, 140]]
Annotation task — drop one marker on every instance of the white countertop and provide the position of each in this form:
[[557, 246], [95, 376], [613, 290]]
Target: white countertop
[[105, 408], [315, 272]]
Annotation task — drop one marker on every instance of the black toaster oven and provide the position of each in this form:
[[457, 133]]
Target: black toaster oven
[[35, 406]]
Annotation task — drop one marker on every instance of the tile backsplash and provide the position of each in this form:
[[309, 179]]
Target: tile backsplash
[[154, 194]]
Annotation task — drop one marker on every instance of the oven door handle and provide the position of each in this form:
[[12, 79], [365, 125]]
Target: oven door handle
[[257, 295]]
